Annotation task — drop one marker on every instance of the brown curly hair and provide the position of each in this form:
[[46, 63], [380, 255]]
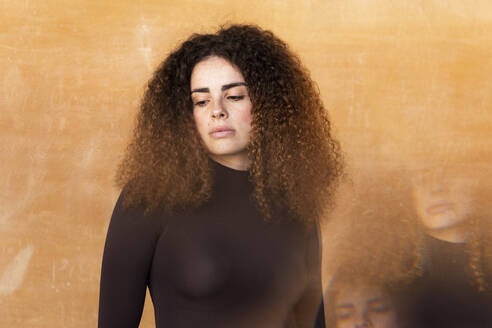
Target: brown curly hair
[[377, 232], [477, 223], [376, 244], [295, 161]]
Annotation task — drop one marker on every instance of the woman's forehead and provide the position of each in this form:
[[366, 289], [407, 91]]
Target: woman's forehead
[[213, 70], [448, 175], [358, 291]]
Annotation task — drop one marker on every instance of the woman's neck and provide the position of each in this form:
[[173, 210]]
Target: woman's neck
[[456, 234], [240, 163]]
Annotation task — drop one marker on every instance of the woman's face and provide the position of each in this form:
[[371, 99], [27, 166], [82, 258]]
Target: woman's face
[[443, 199], [222, 111], [364, 307]]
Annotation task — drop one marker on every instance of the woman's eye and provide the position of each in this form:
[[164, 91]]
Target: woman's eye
[[379, 307], [201, 103], [344, 313], [235, 98]]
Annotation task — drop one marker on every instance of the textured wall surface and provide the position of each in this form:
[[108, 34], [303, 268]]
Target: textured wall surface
[[402, 80]]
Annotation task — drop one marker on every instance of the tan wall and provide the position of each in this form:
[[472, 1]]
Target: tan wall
[[402, 79]]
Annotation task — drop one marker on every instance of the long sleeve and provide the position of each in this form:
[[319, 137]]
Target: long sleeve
[[127, 259], [309, 311], [218, 265]]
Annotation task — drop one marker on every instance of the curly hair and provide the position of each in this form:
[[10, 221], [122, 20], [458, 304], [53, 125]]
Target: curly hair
[[476, 224], [386, 239], [347, 279], [377, 236], [479, 244], [295, 161]]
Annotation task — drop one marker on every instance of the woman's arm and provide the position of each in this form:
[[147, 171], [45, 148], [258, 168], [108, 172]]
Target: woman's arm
[[127, 259], [309, 310]]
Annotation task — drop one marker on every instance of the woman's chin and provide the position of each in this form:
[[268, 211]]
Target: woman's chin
[[442, 221]]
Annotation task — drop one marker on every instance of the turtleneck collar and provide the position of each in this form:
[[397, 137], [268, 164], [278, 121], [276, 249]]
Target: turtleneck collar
[[226, 178]]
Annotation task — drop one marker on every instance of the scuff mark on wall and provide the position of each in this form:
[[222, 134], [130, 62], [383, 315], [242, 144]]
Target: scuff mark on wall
[[13, 276]]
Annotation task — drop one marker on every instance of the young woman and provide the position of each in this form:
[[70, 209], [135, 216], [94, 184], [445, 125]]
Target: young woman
[[375, 254], [230, 169], [453, 287], [360, 303]]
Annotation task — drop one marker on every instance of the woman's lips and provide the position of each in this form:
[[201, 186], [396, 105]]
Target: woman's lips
[[438, 208], [222, 133]]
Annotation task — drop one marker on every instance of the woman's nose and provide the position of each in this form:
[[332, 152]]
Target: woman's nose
[[363, 321], [364, 324], [438, 187], [218, 111]]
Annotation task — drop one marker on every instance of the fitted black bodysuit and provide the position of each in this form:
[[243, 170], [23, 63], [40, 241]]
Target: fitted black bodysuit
[[220, 265], [444, 296]]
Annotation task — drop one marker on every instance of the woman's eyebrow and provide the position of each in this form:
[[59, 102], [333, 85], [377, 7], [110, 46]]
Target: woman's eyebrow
[[201, 90], [223, 88], [376, 299], [232, 85]]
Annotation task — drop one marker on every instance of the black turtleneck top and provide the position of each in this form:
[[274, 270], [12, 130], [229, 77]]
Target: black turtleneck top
[[221, 265], [445, 295]]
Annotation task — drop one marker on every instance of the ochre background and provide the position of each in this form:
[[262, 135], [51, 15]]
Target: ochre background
[[403, 80]]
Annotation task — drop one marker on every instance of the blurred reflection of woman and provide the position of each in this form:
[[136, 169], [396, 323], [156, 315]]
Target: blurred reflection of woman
[[375, 255], [229, 171], [450, 210], [443, 201], [453, 286], [361, 304]]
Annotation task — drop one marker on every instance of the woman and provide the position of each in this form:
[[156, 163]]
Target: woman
[[453, 286], [225, 181], [361, 303], [375, 254]]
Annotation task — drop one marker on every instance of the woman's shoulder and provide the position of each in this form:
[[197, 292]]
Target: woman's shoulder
[[130, 214]]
